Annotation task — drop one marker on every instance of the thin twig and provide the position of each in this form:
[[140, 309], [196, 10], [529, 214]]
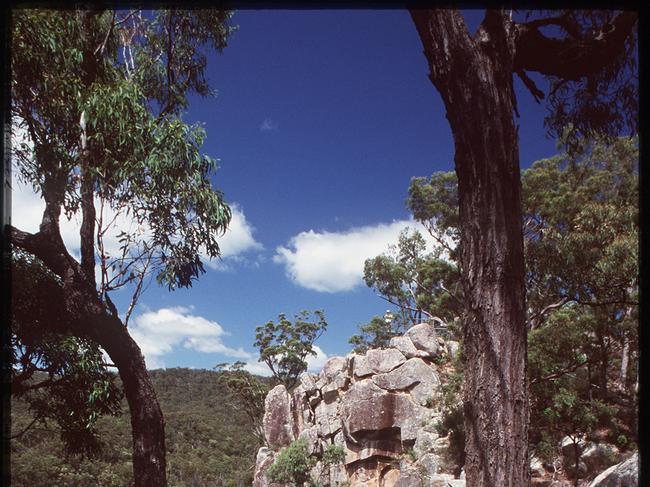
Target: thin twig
[[18, 435], [102, 46]]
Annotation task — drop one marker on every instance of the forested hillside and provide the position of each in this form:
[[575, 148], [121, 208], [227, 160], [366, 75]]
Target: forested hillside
[[208, 440]]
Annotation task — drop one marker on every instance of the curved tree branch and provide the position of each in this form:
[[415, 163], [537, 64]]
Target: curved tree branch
[[571, 58]]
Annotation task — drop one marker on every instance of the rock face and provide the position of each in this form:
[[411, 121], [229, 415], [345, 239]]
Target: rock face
[[624, 474], [380, 407], [278, 418]]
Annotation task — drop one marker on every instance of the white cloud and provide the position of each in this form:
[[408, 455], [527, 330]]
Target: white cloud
[[333, 261], [315, 362], [257, 368], [28, 207], [160, 332], [27, 211], [166, 330], [268, 125], [237, 240]]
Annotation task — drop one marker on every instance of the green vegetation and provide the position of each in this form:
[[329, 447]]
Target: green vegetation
[[247, 392], [57, 377], [101, 95], [284, 346], [375, 334], [418, 283], [333, 455], [292, 465], [581, 253], [208, 441]]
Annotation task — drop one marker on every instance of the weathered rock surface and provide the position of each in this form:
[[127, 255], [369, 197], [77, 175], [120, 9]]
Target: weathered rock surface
[[377, 406], [263, 461], [278, 417], [424, 338], [377, 361], [599, 456], [381, 408], [624, 474], [420, 379], [536, 468], [404, 345]]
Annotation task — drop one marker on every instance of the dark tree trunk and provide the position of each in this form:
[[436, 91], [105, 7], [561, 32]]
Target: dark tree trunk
[[86, 316], [82, 302], [148, 428], [603, 363], [474, 78]]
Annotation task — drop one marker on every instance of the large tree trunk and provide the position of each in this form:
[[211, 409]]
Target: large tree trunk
[[83, 303], [87, 317], [474, 78], [147, 424]]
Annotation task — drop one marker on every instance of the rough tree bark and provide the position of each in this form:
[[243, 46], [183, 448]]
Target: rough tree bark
[[86, 316], [474, 76]]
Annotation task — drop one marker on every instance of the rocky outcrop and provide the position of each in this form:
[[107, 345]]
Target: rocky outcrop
[[624, 474], [278, 419], [594, 457], [380, 407]]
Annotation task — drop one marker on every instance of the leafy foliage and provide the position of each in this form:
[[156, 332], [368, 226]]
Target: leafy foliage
[[99, 100], [581, 249], [452, 421], [208, 441], [375, 334], [581, 225], [604, 101], [73, 387], [145, 163], [333, 455], [284, 346], [434, 203], [292, 465], [417, 282], [564, 393], [248, 393]]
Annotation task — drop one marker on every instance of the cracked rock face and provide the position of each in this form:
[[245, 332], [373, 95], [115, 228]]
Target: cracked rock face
[[378, 406], [278, 417], [381, 408], [624, 474]]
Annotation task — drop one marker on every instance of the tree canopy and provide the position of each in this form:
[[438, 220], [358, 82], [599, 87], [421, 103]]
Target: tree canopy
[[284, 346], [581, 231], [97, 105]]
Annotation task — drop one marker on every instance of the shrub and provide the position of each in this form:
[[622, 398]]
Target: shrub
[[292, 465], [333, 455]]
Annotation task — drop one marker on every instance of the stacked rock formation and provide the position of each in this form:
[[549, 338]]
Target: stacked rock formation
[[379, 407]]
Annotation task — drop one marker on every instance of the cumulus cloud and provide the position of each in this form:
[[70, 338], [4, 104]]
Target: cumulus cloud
[[160, 332], [27, 211], [163, 331], [268, 125], [315, 362], [237, 240], [333, 261], [28, 207]]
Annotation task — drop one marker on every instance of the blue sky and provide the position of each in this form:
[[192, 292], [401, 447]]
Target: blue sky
[[321, 120]]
